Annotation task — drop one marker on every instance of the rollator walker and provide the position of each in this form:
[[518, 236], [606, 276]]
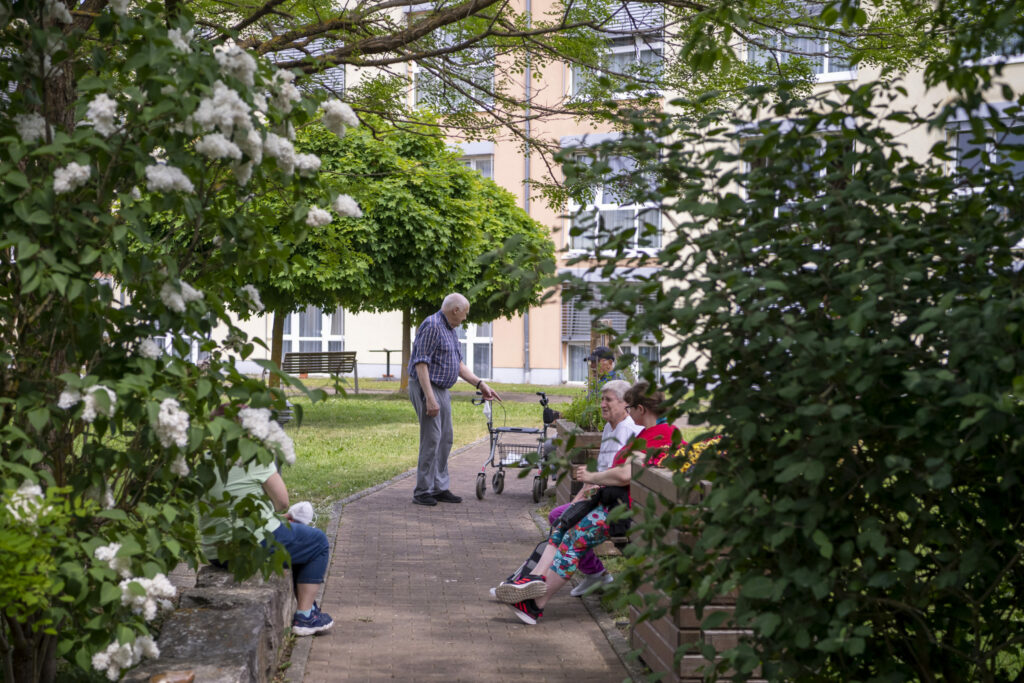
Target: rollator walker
[[513, 447]]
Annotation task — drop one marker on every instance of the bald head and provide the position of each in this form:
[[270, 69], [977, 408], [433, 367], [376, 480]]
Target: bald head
[[455, 308], [454, 300]]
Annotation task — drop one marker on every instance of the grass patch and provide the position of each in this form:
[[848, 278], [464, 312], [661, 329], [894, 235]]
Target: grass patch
[[347, 444]]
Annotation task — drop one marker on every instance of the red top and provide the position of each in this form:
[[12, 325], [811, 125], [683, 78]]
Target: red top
[[655, 441]]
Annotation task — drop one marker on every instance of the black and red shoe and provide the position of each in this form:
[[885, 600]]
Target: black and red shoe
[[526, 587], [527, 611]]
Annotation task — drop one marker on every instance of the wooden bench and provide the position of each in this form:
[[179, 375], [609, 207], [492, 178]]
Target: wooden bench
[[334, 363]]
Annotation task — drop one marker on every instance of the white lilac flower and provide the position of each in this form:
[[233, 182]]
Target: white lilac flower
[[259, 425], [108, 500], [147, 646], [344, 205], [118, 656], [102, 112], [179, 466], [31, 127], [157, 591], [337, 116], [224, 110], [250, 142], [243, 172], [253, 294], [68, 399], [317, 217], [57, 10], [119, 7], [216, 146], [148, 348], [108, 554], [234, 61], [172, 298], [286, 90], [259, 100], [307, 164], [181, 40], [164, 178], [136, 193], [26, 503], [93, 408], [178, 297], [172, 424], [277, 147], [70, 177]]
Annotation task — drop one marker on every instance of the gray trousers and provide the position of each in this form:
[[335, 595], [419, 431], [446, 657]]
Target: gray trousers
[[436, 437]]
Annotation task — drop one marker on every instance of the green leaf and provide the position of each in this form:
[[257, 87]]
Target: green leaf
[[39, 418], [821, 539]]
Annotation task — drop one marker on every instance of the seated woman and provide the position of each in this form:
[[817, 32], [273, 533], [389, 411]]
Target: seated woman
[[619, 429], [307, 546], [529, 594]]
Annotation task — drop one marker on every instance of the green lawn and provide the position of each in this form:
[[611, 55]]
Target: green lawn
[[347, 444], [384, 385]]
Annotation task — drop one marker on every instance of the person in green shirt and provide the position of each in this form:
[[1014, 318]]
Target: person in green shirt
[[307, 546]]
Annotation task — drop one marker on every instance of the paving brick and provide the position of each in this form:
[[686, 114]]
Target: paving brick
[[408, 590]]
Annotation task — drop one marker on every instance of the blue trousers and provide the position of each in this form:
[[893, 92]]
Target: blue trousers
[[308, 548]]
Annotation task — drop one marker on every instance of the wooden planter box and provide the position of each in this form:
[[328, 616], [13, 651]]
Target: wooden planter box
[[658, 639], [584, 449]]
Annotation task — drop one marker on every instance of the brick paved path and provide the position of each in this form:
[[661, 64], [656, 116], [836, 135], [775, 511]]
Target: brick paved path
[[408, 590]]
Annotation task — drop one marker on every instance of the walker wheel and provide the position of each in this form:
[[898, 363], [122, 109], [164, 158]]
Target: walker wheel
[[481, 485], [499, 482], [538, 488]]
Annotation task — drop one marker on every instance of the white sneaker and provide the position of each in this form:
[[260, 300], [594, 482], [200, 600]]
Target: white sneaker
[[494, 592], [589, 583]]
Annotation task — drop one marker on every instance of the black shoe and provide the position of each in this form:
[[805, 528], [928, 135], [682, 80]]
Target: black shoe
[[447, 497], [424, 499]]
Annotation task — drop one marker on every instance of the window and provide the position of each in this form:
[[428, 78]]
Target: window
[[829, 60], [482, 164], [639, 56], [975, 154], [578, 368], [468, 81], [579, 324], [476, 347], [649, 352], [635, 46], [824, 164], [614, 212], [312, 329]]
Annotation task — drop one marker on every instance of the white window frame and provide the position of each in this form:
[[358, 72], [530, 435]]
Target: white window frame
[[599, 208], [638, 44], [954, 165], [293, 341], [823, 72], [475, 161], [472, 336]]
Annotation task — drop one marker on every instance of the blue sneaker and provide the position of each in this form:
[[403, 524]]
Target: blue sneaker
[[316, 622]]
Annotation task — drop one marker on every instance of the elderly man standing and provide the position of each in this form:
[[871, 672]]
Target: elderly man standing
[[434, 367]]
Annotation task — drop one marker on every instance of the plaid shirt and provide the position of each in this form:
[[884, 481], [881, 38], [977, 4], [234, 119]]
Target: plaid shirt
[[437, 345]]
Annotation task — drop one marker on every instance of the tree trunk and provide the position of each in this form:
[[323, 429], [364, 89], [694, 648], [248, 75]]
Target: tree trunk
[[33, 654], [277, 344], [403, 386]]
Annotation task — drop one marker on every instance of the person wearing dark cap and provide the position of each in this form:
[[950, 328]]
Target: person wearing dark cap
[[602, 366]]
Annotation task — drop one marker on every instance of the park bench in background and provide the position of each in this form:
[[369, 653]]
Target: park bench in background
[[333, 363]]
